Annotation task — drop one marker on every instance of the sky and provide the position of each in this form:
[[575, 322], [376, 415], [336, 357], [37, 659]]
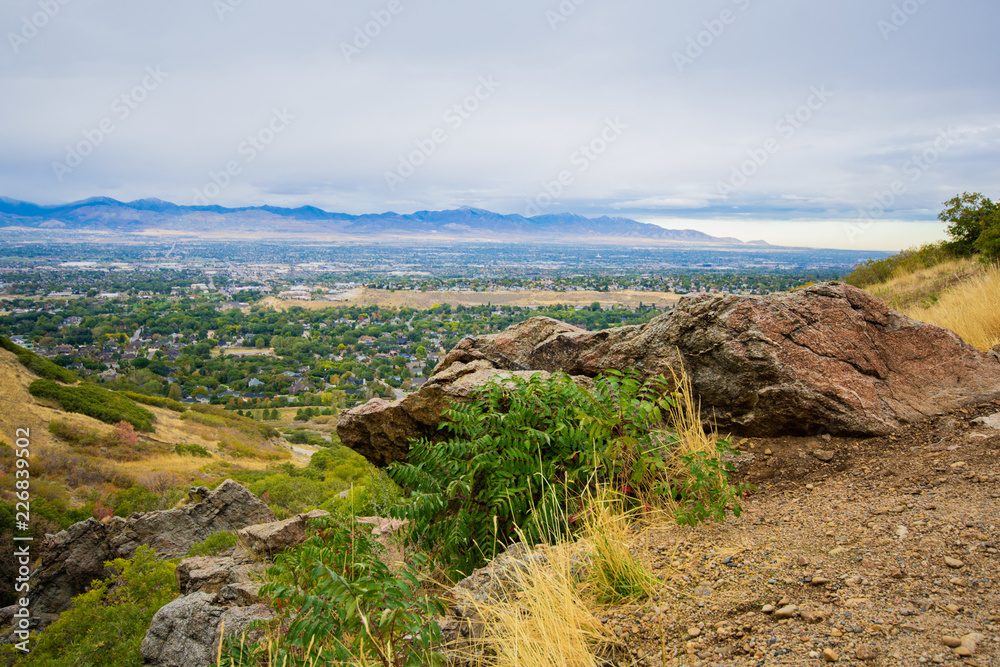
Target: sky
[[835, 124]]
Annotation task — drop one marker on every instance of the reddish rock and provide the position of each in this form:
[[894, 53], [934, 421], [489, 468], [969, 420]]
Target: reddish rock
[[829, 358]]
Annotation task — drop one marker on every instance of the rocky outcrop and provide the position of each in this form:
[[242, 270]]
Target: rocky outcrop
[[829, 358], [268, 539], [73, 558], [220, 596]]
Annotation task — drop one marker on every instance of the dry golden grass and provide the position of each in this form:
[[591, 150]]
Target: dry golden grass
[[923, 287], [546, 622], [616, 576], [972, 309]]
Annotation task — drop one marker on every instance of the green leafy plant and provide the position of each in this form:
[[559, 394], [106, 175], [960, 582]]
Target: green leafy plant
[[108, 623], [192, 450], [340, 604], [517, 457], [523, 452], [214, 544], [158, 401]]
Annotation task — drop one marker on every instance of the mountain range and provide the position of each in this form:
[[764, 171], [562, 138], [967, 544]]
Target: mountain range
[[149, 216]]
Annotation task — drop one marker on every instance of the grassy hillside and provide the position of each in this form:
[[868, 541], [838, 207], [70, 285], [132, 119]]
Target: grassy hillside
[[960, 294]]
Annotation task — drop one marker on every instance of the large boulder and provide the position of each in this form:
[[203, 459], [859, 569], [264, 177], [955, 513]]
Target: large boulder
[[220, 596], [829, 358], [73, 558], [187, 631], [267, 539]]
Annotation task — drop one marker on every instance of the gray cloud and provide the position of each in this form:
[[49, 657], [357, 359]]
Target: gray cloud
[[693, 113]]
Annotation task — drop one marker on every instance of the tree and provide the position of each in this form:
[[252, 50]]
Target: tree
[[174, 393], [972, 218]]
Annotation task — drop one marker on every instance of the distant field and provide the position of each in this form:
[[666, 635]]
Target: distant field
[[423, 300]]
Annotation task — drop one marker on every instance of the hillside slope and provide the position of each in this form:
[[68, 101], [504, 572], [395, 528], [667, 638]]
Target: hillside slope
[[57, 461], [960, 294]]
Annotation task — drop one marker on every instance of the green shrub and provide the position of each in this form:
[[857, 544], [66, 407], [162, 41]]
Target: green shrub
[[524, 452], [89, 399], [875, 271], [108, 623], [158, 401], [38, 365], [288, 495], [135, 499], [192, 450], [214, 544], [342, 605], [77, 436]]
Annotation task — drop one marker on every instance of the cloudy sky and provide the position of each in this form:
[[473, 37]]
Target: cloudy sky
[[841, 124]]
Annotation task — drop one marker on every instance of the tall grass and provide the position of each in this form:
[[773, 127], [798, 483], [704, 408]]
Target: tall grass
[[972, 310], [615, 575], [922, 287], [546, 622]]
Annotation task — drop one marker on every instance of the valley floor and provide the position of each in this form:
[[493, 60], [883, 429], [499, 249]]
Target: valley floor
[[886, 550]]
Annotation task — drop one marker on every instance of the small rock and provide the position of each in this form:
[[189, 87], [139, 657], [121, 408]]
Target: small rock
[[993, 421], [819, 581], [767, 452], [693, 631], [830, 655], [788, 611], [810, 616], [767, 609], [824, 455], [953, 562], [865, 652], [951, 642], [963, 651]]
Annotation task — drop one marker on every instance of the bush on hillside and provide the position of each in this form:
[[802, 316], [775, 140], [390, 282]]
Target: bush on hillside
[[40, 366], [89, 399], [875, 271], [192, 450], [213, 545], [342, 605], [157, 401], [973, 225], [107, 624], [524, 453]]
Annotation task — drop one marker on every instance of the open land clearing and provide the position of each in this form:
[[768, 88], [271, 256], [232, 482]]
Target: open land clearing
[[527, 299]]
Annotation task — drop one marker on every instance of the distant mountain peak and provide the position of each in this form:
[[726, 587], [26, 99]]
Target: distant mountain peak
[[466, 223]]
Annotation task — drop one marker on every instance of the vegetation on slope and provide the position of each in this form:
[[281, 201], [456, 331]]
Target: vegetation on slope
[[536, 460], [38, 365], [525, 453], [107, 623], [88, 399], [954, 283]]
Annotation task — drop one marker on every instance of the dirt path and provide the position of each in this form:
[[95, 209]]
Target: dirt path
[[886, 550]]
